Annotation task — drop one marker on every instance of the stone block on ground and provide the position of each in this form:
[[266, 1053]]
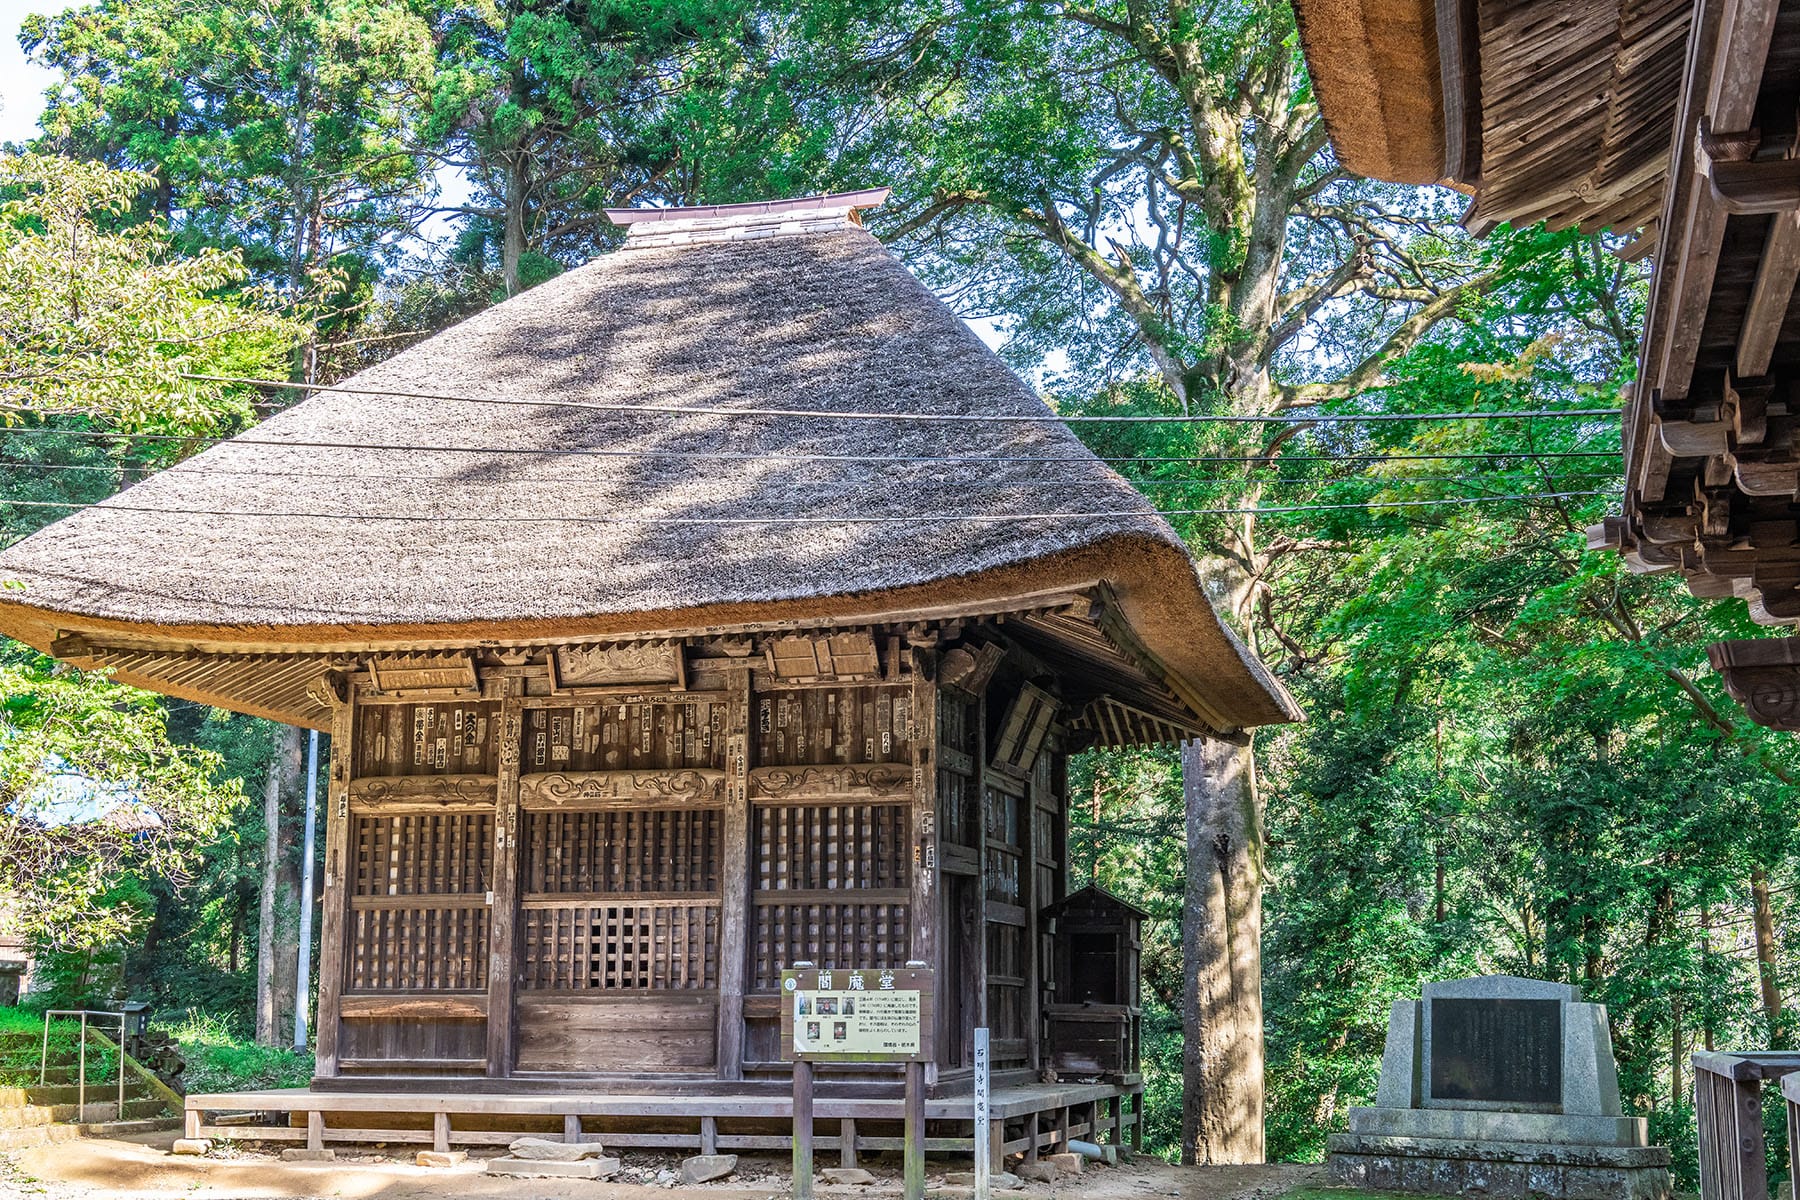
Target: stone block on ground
[[703, 1168], [1066, 1163], [441, 1158], [855, 1176], [1036, 1172], [545, 1150], [550, 1168], [191, 1146], [300, 1154], [959, 1179]]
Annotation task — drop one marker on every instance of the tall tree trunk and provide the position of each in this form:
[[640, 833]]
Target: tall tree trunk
[[1764, 921], [512, 234], [284, 769], [1221, 942]]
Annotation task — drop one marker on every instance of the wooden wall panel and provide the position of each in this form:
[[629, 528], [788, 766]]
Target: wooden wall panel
[[643, 734], [443, 738], [669, 1032], [419, 1044], [870, 724]]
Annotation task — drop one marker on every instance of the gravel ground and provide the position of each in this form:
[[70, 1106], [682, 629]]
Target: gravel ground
[[140, 1168]]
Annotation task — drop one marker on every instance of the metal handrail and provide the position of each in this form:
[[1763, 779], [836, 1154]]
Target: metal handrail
[[81, 1057]]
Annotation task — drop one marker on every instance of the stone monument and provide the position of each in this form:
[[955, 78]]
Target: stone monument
[[1500, 1086]]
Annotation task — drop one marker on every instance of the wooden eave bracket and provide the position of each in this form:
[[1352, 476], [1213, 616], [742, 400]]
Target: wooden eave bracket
[[1763, 675]]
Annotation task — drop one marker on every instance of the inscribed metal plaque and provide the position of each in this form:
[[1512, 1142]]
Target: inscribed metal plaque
[[1497, 1050]]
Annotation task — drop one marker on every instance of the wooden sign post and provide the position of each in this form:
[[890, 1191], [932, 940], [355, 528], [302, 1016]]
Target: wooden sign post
[[984, 1144], [865, 1015]]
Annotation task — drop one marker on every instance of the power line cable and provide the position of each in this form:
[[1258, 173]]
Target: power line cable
[[755, 456], [918, 519], [189, 469], [926, 418]]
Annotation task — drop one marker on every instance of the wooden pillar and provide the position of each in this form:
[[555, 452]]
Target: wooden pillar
[[847, 1142], [315, 1130], [503, 903], [440, 1132], [734, 881], [571, 1127], [334, 895], [923, 901], [1031, 1136], [709, 1135], [1029, 816], [978, 975]]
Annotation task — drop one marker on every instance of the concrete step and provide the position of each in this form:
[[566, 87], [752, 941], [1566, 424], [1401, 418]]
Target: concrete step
[[37, 1135], [13, 1097], [97, 1090], [26, 1116], [125, 1128]]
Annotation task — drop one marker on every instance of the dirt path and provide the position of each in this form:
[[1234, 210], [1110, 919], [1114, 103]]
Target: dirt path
[[142, 1169]]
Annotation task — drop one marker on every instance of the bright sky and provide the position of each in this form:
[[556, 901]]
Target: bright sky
[[21, 85]]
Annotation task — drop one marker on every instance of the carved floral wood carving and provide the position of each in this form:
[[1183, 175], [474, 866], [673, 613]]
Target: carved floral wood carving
[[633, 662], [450, 789], [558, 788], [871, 778]]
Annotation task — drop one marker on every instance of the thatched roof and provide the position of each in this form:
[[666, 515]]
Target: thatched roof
[[357, 519], [1551, 110], [1374, 67]]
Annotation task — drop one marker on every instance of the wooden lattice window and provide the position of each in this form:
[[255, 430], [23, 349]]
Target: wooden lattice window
[[831, 885], [812, 847], [659, 944], [621, 899], [418, 901], [620, 851], [848, 931]]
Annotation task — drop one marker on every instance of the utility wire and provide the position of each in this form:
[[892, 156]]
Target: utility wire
[[918, 519], [754, 456], [188, 469], [927, 418]]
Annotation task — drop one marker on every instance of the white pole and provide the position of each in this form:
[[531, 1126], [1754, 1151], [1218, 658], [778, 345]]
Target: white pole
[[303, 976], [984, 1142]]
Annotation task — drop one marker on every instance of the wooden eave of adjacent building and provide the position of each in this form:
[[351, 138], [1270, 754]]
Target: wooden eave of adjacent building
[[1118, 693], [1712, 472], [1541, 110]]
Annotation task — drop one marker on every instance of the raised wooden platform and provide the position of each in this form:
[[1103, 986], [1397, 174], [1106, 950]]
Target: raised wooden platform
[[1025, 1119]]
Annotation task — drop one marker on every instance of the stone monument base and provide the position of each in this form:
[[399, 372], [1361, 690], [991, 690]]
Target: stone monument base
[[1517, 1156]]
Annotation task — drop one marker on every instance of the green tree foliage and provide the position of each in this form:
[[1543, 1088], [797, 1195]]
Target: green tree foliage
[[285, 129], [559, 110], [105, 328], [99, 320]]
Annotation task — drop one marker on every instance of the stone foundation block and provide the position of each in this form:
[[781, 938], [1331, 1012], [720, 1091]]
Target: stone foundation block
[[550, 1168], [293, 1154]]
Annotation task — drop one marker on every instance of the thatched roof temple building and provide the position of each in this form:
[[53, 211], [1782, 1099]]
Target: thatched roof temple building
[[721, 604], [1669, 120]]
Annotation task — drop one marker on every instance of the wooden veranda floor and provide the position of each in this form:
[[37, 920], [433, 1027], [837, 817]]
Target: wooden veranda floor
[[1024, 1119]]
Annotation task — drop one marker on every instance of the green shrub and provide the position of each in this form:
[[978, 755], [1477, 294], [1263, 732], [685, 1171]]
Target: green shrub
[[220, 1060]]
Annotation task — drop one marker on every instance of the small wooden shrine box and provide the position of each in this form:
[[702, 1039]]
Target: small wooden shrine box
[[1092, 1019]]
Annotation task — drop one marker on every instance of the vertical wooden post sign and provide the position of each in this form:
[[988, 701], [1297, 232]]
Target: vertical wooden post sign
[[984, 1144], [865, 1015]]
